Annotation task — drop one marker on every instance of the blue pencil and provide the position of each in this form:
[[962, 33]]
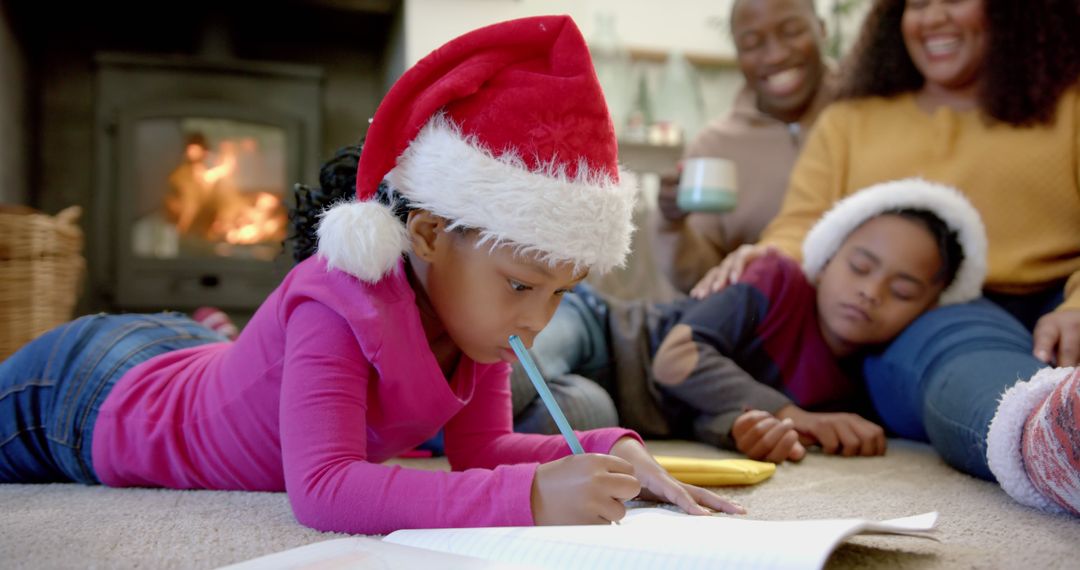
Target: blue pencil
[[545, 395]]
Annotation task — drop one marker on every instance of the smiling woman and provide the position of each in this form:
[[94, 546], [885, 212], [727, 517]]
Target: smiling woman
[[1014, 60], [946, 41]]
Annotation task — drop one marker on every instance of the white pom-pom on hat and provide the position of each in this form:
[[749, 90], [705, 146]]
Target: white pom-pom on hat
[[363, 239]]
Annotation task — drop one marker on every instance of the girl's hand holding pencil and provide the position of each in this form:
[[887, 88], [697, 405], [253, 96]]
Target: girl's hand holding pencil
[[658, 485], [583, 489], [590, 488]]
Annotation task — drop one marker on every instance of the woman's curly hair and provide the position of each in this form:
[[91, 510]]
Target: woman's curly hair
[[1032, 57]]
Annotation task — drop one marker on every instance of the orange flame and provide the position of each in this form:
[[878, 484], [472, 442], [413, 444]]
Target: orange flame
[[234, 216], [263, 221]]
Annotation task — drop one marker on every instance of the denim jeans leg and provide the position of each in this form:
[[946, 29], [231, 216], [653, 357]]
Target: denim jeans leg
[[574, 341], [56, 385], [27, 396], [569, 352], [940, 380], [127, 341]]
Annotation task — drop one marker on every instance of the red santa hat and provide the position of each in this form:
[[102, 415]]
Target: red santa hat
[[945, 202], [504, 130]]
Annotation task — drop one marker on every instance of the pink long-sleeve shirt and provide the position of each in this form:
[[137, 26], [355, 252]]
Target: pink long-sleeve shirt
[[331, 377]]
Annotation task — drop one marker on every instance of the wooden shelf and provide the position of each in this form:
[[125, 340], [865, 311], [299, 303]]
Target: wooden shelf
[[644, 157], [696, 59]]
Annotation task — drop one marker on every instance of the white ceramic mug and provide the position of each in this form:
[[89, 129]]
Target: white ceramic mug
[[707, 185]]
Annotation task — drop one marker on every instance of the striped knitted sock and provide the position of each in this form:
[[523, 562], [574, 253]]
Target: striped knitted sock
[[1051, 444], [216, 320], [1032, 443]]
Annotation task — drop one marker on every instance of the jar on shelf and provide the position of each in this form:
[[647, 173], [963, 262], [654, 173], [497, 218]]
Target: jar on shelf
[[640, 116], [678, 111], [613, 67]]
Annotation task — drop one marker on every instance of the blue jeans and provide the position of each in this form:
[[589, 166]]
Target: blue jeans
[[52, 388], [572, 356], [940, 380], [576, 339]]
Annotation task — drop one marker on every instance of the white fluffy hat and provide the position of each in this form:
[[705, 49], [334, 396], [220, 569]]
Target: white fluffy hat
[[943, 201]]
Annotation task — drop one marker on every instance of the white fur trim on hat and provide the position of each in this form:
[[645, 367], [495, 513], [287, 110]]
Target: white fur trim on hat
[[363, 239], [825, 238], [1003, 441], [584, 220]]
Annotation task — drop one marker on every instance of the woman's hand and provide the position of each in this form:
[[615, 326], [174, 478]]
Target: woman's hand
[[837, 433], [658, 485], [764, 437], [729, 269], [1057, 338], [582, 489]]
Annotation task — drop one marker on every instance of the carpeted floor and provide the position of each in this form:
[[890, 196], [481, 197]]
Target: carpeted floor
[[73, 526]]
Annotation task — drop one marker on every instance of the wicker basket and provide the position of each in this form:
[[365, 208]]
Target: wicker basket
[[41, 271]]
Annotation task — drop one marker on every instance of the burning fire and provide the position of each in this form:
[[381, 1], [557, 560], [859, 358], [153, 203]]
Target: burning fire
[[207, 201], [262, 221]]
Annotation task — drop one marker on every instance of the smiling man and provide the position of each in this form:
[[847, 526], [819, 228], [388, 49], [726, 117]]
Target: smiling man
[[779, 47]]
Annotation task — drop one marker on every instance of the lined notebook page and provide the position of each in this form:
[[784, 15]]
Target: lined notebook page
[[659, 539], [364, 553]]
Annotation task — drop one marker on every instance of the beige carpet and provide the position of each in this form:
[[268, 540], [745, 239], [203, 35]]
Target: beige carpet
[[73, 526]]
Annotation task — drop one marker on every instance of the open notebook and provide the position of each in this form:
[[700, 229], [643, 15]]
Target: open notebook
[[649, 538]]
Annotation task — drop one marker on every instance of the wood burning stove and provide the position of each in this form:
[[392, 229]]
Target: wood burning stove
[[196, 161]]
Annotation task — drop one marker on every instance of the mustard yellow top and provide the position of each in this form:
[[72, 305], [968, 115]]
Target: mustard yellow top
[[1024, 181]]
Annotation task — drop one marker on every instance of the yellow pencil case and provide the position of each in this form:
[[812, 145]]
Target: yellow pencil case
[[716, 472]]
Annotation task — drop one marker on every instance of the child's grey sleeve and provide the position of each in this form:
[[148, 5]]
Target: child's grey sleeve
[[719, 390], [733, 372]]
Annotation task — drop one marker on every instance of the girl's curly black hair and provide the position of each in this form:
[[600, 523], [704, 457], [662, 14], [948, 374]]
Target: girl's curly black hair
[[1032, 57], [337, 183]]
